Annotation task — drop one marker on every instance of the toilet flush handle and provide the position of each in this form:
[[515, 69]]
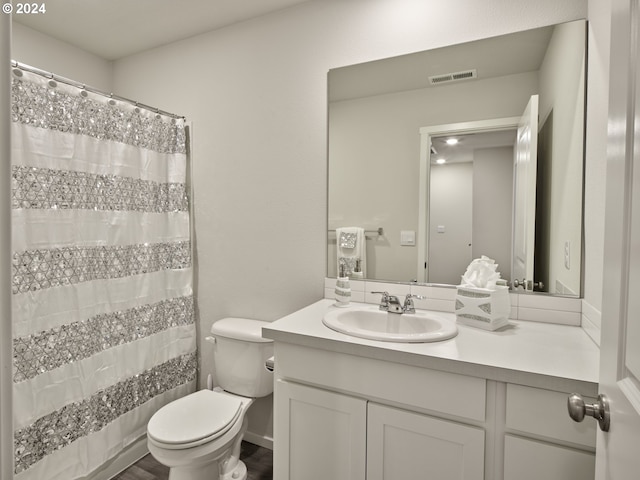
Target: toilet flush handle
[[210, 339], [270, 364]]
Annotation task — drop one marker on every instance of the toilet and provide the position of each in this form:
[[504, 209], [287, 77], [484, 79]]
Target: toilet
[[199, 436]]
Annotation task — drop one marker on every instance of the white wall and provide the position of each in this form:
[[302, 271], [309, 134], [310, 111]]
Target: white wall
[[256, 94], [41, 51]]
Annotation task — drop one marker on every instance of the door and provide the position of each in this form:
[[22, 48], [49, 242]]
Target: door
[[524, 194], [617, 450], [322, 434], [451, 221]]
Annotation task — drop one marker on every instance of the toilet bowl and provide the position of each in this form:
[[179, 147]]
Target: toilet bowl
[[199, 436], [195, 436]]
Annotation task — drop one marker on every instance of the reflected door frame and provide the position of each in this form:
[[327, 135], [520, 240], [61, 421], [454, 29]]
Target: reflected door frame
[[426, 136]]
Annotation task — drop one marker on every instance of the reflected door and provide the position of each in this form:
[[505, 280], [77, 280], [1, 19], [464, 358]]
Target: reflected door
[[524, 194]]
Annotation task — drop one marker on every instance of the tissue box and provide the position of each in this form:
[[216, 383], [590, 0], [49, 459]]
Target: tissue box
[[483, 308]]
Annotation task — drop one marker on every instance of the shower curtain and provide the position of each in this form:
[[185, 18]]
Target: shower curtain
[[103, 308]]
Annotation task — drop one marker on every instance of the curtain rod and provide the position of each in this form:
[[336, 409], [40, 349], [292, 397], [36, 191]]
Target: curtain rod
[[81, 86]]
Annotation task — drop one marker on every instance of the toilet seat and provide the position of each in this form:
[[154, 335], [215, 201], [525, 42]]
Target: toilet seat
[[193, 420]]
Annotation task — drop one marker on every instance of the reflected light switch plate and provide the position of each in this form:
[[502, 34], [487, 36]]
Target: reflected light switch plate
[[407, 237], [440, 229]]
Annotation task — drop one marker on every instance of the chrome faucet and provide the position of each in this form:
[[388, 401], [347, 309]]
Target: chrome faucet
[[391, 303]]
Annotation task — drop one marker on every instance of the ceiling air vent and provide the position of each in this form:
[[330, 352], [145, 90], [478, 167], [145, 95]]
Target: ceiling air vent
[[453, 77]]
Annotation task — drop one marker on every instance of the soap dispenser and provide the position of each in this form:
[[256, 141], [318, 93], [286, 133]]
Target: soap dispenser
[[343, 288], [357, 271]]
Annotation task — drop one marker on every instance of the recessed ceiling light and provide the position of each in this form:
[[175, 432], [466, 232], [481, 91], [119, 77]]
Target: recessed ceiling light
[[452, 141], [440, 161]]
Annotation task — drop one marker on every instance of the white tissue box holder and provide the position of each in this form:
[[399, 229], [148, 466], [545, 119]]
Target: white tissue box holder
[[483, 308]]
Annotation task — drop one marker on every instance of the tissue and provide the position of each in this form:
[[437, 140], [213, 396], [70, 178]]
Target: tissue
[[482, 299], [481, 273]]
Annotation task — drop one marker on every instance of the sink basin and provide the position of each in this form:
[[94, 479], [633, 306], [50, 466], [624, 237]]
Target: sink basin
[[374, 324]]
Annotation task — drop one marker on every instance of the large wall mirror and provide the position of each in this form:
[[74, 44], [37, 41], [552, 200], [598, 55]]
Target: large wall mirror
[[439, 157]]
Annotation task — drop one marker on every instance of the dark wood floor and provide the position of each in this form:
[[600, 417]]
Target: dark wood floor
[[259, 463]]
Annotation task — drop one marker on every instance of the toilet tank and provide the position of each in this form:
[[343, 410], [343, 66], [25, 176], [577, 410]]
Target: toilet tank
[[239, 356]]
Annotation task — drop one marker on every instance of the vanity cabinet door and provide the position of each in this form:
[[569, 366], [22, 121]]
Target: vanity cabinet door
[[534, 460], [319, 434], [403, 444]]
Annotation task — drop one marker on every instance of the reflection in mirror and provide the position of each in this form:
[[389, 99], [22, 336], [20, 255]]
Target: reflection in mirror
[[382, 174], [470, 196]]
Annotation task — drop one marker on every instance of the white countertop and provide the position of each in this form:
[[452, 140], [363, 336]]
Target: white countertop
[[557, 357]]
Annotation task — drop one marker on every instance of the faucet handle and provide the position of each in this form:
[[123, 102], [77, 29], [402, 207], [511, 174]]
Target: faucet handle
[[384, 294], [417, 297], [384, 301], [409, 307]]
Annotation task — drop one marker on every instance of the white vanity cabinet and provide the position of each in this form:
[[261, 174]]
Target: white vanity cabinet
[[347, 417], [341, 437], [343, 416], [480, 406]]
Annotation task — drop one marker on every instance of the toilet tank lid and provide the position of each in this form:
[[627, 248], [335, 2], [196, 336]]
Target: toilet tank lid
[[243, 329]]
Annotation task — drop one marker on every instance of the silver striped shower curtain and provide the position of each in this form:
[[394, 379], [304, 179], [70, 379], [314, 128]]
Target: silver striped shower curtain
[[102, 308]]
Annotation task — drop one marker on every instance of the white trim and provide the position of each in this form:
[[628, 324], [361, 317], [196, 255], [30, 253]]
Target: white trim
[[260, 440], [426, 133]]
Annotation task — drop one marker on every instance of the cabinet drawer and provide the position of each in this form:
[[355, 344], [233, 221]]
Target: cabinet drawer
[[442, 392], [533, 460], [544, 412]]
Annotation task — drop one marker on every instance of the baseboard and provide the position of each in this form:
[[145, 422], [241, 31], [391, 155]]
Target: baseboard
[[122, 461], [261, 441]]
